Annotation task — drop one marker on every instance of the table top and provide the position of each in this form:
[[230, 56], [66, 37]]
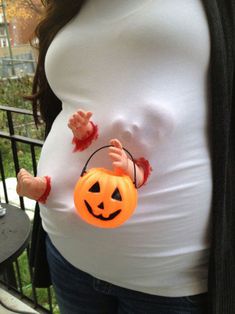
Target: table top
[[14, 234]]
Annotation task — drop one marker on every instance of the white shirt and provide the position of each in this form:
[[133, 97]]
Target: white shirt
[[141, 67]]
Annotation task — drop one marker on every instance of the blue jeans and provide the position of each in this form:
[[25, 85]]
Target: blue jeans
[[80, 293]]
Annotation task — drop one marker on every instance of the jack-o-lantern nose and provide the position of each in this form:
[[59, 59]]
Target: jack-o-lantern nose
[[101, 205]]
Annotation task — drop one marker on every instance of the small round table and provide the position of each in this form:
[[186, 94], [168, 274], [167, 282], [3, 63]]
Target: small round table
[[15, 230]]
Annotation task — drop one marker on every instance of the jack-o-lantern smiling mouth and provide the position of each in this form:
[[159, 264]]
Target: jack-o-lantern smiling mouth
[[105, 198], [101, 217]]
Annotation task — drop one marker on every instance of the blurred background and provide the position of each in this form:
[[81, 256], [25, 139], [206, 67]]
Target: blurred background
[[20, 141]]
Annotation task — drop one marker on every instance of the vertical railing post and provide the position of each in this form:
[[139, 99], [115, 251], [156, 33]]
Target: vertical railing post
[[10, 271], [34, 293], [14, 149], [10, 276], [3, 179], [34, 162]]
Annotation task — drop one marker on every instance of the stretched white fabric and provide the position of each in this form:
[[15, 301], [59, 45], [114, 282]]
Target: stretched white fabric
[[141, 67]]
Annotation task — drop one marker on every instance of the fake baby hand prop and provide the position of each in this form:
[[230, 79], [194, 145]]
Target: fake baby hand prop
[[84, 130], [80, 124], [35, 188], [106, 198], [123, 162]]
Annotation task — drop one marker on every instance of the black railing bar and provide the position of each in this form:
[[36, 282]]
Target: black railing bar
[[33, 156], [16, 165], [22, 206], [34, 293], [14, 150], [22, 139], [16, 110], [5, 191], [19, 277], [39, 307], [10, 123], [3, 179], [10, 277], [50, 298], [5, 279]]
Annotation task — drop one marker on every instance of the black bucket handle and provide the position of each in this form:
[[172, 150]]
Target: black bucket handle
[[106, 146]]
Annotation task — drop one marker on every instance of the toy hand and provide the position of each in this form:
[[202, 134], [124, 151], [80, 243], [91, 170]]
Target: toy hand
[[121, 161], [29, 186], [80, 124], [118, 155]]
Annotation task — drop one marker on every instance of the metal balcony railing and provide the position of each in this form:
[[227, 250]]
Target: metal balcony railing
[[13, 276]]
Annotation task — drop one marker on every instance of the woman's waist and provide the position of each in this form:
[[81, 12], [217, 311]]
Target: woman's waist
[[156, 226]]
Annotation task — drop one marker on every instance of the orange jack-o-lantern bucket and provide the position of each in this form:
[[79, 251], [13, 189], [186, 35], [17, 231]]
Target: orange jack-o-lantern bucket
[[105, 198]]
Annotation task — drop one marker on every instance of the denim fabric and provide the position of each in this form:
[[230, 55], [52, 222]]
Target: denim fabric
[[80, 293]]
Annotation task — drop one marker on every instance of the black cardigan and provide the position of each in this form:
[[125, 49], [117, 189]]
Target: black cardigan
[[221, 282]]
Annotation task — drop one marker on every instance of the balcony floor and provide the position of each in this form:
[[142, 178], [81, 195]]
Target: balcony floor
[[12, 302]]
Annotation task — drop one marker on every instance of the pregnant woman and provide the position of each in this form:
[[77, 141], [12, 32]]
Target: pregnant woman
[[157, 78]]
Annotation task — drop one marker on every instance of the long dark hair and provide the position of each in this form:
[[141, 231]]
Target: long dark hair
[[57, 14]]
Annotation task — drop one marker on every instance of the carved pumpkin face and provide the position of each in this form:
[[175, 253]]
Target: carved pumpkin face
[[105, 198]]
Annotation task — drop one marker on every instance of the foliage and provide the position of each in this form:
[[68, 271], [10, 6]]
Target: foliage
[[24, 9], [25, 13], [11, 94], [13, 90], [42, 295]]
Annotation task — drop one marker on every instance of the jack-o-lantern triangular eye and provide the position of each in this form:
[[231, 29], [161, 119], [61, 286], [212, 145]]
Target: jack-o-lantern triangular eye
[[95, 188], [116, 195]]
